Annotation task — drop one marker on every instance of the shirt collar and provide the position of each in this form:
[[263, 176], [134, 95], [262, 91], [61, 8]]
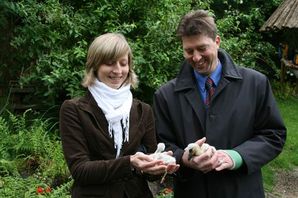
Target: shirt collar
[[215, 76]]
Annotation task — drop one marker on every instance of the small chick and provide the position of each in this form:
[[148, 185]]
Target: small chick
[[159, 155], [196, 150], [160, 148], [167, 159]]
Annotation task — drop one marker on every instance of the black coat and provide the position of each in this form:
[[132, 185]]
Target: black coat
[[243, 116]]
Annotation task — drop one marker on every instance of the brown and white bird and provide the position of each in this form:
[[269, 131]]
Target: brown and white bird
[[195, 149]]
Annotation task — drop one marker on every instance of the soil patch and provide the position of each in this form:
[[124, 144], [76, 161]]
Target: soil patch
[[286, 185]]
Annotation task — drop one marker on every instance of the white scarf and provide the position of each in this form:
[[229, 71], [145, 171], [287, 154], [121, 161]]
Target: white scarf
[[116, 105]]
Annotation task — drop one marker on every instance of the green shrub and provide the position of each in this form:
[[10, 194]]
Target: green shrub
[[247, 47], [30, 154], [11, 187], [48, 40]]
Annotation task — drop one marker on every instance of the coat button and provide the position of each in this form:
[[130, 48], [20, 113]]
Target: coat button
[[212, 116]]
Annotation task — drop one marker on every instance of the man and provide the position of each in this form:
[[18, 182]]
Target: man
[[238, 116]]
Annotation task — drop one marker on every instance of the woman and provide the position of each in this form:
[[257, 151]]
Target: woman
[[103, 132]]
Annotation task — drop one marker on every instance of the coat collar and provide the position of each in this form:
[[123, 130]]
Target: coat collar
[[186, 79], [230, 69], [88, 103]]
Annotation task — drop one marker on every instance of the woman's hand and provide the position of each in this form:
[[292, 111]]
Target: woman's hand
[[147, 164], [168, 160]]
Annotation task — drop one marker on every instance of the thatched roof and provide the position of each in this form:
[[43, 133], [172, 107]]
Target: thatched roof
[[284, 17]]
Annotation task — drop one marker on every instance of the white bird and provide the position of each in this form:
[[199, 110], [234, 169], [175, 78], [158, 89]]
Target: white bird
[[167, 159], [159, 155], [196, 150], [160, 148]]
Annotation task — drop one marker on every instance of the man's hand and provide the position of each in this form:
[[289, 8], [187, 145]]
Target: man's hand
[[224, 161], [205, 161]]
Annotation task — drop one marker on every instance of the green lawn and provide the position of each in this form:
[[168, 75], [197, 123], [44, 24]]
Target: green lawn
[[288, 159]]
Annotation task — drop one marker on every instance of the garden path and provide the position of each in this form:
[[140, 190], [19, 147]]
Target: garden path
[[286, 186]]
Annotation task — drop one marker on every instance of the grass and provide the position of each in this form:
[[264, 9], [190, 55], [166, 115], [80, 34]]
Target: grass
[[288, 159]]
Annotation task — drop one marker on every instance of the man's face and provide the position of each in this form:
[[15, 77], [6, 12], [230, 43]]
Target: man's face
[[201, 52]]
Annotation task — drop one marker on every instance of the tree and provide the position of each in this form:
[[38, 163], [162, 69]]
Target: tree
[[48, 40]]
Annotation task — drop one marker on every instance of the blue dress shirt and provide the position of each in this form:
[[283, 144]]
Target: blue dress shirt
[[215, 76]]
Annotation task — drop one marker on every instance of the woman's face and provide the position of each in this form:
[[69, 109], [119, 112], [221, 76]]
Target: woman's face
[[114, 72]]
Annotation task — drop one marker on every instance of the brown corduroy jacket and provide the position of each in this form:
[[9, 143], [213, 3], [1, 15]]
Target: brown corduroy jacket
[[90, 154]]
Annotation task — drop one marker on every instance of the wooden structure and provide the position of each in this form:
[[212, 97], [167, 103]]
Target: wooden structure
[[18, 97], [284, 17], [284, 20]]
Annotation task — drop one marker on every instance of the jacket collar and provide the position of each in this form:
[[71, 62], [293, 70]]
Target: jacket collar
[[186, 79], [230, 69], [87, 103]]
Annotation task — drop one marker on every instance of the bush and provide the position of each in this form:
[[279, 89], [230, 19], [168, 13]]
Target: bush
[[31, 156], [11, 187], [48, 40]]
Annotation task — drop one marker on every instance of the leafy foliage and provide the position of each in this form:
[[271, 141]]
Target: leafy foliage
[[44, 44], [52, 38], [240, 37], [49, 39], [31, 187], [29, 152]]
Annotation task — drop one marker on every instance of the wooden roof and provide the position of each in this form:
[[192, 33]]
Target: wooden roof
[[284, 17]]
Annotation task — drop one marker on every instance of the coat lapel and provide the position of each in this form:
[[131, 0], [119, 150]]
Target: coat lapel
[[89, 105], [197, 105], [229, 72], [186, 82]]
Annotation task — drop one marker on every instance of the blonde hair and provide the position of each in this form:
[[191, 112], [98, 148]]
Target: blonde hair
[[104, 48]]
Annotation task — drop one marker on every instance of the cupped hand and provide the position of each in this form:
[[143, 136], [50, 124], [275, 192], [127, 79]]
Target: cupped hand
[[148, 164], [170, 161], [145, 163], [205, 161]]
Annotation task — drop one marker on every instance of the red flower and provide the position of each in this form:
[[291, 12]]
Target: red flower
[[48, 189], [39, 190], [167, 191]]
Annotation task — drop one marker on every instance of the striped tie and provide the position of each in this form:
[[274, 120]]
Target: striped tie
[[209, 85]]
